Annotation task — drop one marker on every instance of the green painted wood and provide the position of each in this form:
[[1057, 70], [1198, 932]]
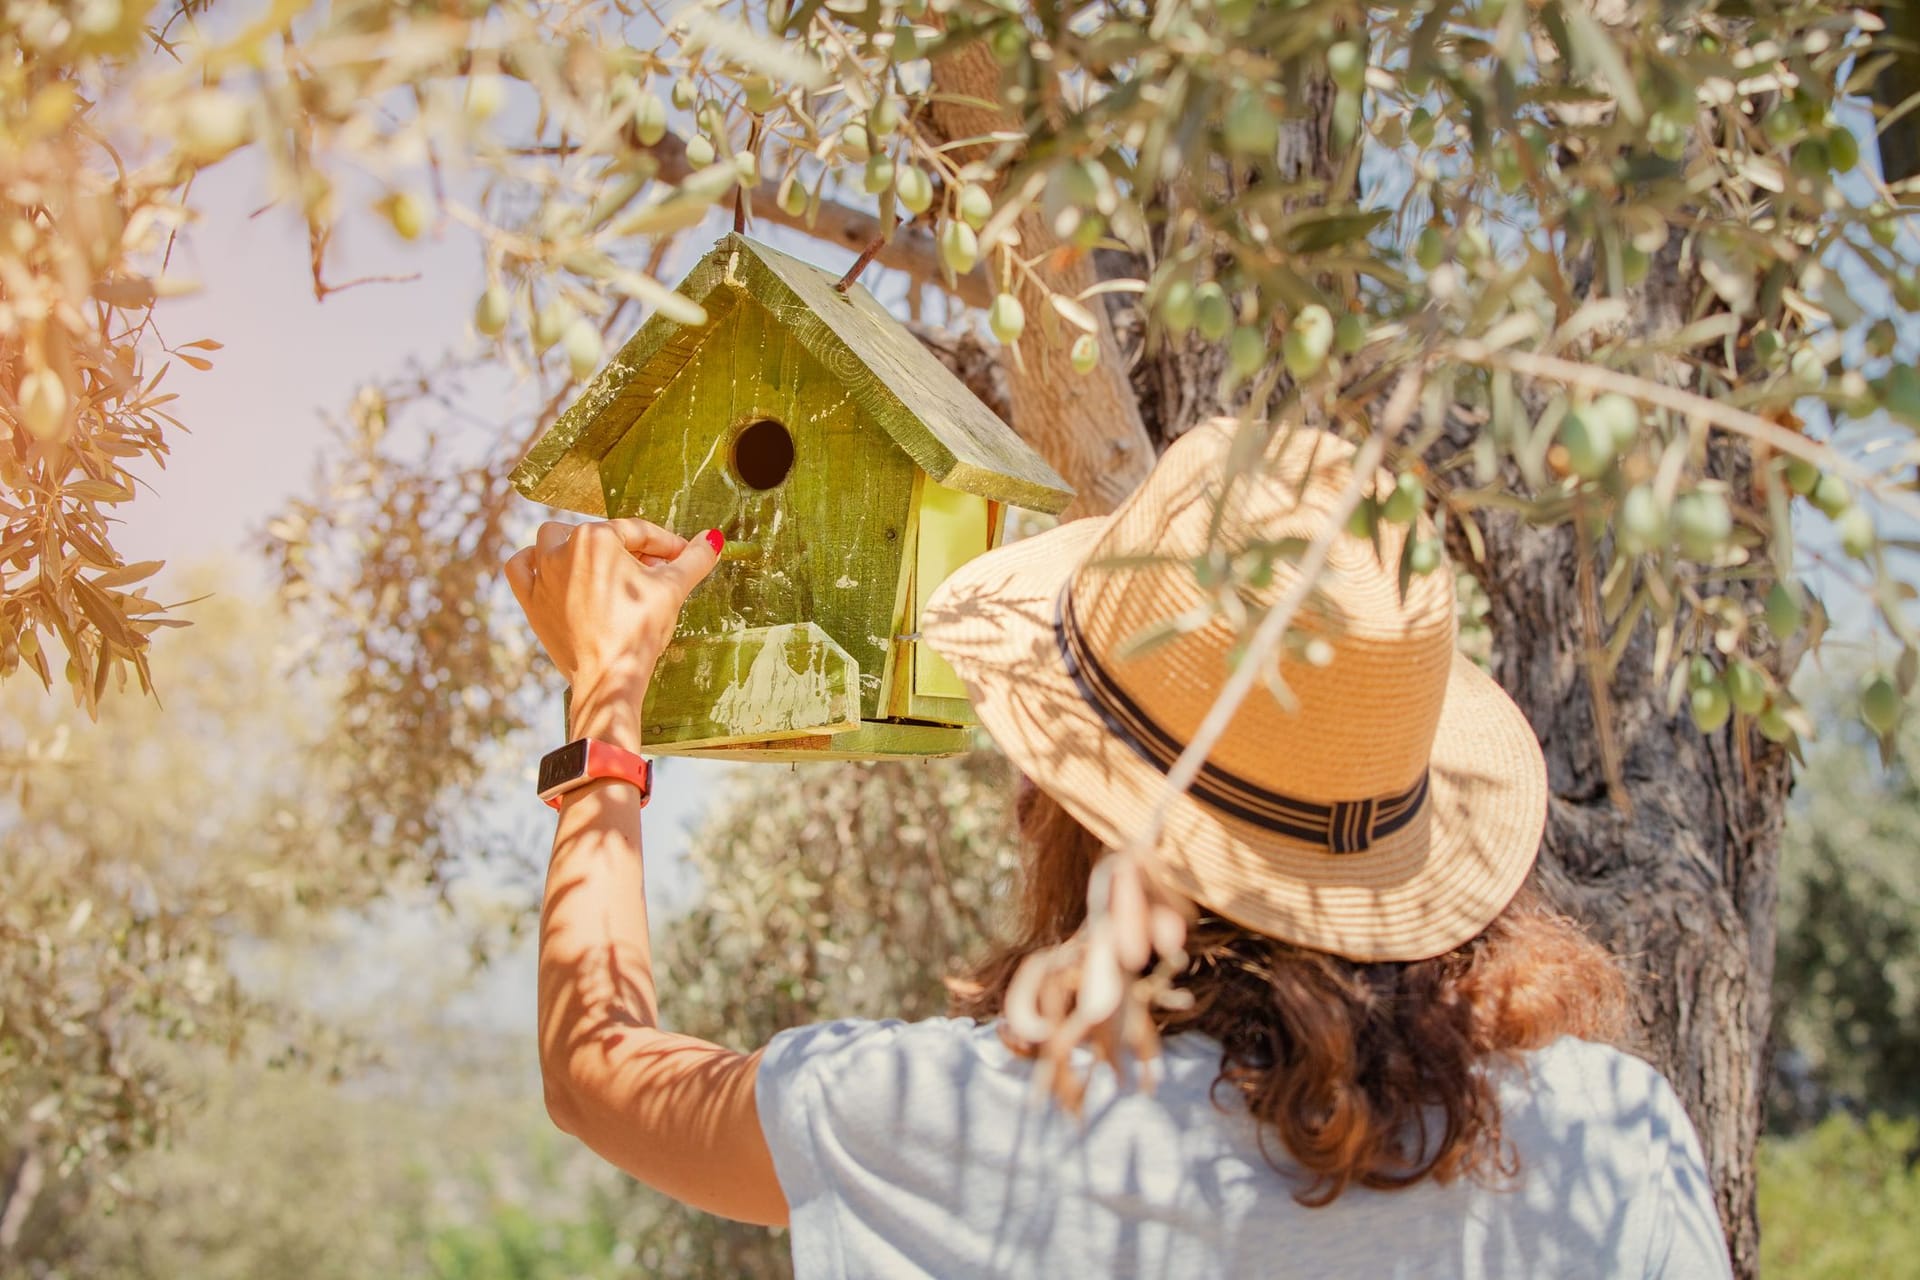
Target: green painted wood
[[826, 545], [941, 710], [910, 395], [750, 685], [953, 528], [873, 740], [562, 469], [926, 409]]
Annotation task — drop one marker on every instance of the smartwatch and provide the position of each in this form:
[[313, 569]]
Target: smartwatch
[[587, 760]]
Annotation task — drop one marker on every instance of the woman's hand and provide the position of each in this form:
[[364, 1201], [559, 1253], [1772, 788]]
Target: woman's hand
[[604, 597]]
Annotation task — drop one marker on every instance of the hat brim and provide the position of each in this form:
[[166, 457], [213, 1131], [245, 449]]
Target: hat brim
[[1417, 893]]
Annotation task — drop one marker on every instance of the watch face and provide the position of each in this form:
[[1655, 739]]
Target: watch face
[[563, 765]]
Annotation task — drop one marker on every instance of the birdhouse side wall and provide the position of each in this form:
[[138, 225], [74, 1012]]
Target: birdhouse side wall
[[824, 545]]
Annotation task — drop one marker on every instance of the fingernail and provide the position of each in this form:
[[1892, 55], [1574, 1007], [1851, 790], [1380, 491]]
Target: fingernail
[[716, 540]]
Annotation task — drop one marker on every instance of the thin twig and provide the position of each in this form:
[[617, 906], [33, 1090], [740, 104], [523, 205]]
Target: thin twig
[[861, 263], [1597, 676], [740, 192]]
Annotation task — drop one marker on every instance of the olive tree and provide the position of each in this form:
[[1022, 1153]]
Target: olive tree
[[1606, 284]]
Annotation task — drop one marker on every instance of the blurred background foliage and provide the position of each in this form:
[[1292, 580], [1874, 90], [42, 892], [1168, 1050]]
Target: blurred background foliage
[[280, 1141], [1596, 242]]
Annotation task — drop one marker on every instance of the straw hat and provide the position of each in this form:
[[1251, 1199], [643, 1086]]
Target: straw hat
[[1389, 814]]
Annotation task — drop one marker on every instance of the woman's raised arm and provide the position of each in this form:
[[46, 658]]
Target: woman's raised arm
[[674, 1111]]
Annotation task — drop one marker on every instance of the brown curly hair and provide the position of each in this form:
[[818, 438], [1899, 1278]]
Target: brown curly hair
[[1369, 1074]]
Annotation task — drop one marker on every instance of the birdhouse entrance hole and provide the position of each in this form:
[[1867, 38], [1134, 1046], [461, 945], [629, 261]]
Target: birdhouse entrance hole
[[763, 454]]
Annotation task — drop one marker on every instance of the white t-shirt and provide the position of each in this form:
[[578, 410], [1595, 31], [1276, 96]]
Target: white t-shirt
[[921, 1149]]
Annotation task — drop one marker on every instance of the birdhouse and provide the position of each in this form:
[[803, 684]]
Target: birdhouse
[[851, 473]]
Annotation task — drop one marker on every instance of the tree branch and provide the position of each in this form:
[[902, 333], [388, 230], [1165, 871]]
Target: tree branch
[[1088, 426], [910, 250]]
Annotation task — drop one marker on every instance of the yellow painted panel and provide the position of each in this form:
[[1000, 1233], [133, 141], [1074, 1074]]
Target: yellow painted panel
[[954, 528]]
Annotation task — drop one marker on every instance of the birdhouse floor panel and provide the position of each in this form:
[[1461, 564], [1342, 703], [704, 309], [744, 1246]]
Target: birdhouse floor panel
[[873, 740]]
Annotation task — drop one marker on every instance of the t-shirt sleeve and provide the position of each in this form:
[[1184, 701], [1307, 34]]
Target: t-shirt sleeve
[[1687, 1238], [787, 1091], [833, 1100]]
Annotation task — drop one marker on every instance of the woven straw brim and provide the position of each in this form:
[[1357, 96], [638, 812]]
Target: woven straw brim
[[1417, 893]]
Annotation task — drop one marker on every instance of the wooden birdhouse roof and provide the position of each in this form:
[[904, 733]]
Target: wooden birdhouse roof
[[927, 411]]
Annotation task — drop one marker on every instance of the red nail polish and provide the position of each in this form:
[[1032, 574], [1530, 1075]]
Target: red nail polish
[[716, 540]]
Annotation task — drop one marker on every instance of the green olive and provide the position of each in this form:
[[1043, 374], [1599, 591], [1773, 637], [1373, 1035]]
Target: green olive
[[760, 94], [1856, 532], [1619, 416], [1350, 334], [1843, 150], [582, 345], [650, 119], [1642, 522], [1308, 341], [1782, 124], [1703, 522], [1880, 705], [1808, 369], [959, 247], [1252, 126], [1247, 351], [914, 187], [1177, 306], [1347, 65], [1213, 314], [1589, 445], [1007, 318], [1709, 706], [1811, 159], [1802, 476], [1085, 354], [1365, 516], [1831, 495], [1406, 500], [1429, 248], [491, 311], [409, 212], [1747, 687], [1783, 612], [975, 205]]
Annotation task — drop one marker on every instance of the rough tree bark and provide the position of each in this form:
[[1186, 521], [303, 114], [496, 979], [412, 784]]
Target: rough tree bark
[[1679, 873], [1680, 880]]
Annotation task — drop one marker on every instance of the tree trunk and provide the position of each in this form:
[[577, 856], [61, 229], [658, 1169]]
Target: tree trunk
[[1087, 426], [1680, 880]]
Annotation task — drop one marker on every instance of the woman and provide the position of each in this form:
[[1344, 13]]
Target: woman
[[1380, 1053]]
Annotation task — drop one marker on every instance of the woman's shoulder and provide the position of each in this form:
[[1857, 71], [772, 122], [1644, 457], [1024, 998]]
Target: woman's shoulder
[[1580, 1083], [1589, 1068], [847, 1046]]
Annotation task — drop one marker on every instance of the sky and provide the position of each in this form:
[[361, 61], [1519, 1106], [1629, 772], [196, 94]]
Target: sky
[[257, 424]]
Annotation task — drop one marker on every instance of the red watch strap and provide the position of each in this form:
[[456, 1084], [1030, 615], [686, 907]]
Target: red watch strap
[[601, 760]]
